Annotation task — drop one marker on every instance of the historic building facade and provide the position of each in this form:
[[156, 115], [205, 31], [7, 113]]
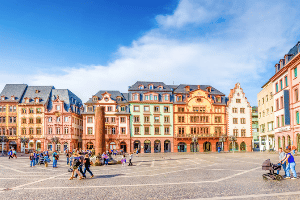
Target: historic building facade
[[63, 121], [151, 117], [239, 120], [31, 112], [266, 117], [199, 118], [10, 97], [116, 120]]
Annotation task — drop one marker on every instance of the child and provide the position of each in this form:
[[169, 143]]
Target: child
[[32, 160], [123, 161]]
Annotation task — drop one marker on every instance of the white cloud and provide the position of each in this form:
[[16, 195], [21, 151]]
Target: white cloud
[[242, 50]]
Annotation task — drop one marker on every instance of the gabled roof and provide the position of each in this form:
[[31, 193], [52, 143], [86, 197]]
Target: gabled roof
[[182, 89], [135, 86], [114, 94], [16, 90], [67, 96], [43, 94], [232, 92]]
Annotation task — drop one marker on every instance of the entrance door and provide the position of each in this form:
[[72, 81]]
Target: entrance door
[[66, 147], [243, 146], [194, 147], [157, 147], [207, 146], [112, 145], [167, 146], [58, 146], [137, 145], [147, 146], [123, 146], [181, 147]]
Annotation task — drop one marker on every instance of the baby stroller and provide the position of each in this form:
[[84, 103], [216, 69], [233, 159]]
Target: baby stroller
[[267, 165]]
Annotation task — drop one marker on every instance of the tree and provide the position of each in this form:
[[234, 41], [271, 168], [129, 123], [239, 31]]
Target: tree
[[55, 140]]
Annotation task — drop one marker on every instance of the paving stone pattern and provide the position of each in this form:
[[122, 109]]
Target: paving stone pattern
[[153, 176]]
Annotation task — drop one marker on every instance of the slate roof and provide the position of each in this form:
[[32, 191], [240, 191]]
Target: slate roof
[[16, 90], [135, 86], [43, 94], [181, 89], [114, 95], [67, 96]]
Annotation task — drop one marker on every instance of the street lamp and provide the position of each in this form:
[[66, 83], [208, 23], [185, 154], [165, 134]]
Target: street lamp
[[222, 139], [232, 139]]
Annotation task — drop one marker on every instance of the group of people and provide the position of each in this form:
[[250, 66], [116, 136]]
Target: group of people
[[77, 160], [12, 153], [35, 157], [287, 161]]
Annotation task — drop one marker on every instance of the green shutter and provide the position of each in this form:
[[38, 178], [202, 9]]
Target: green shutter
[[277, 87], [286, 81], [297, 117], [281, 85], [295, 72]]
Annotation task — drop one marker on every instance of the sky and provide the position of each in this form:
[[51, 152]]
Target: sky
[[87, 46]]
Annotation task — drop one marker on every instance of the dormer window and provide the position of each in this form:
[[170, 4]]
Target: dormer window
[[151, 97], [187, 88], [218, 99], [119, 98], [3, 98], [208, 89], [179, 98], [160, 87], [37, 100], [27, 100], [151, 87], [146, 97], [12, 98], [37, 91], [95, 98], [166, 97], [135, 97], [141, 87]]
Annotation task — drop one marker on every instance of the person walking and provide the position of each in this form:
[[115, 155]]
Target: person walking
[[291, 164], [37, 156], [123, 161], [14, 153], [32, 160], [87, 164], [137, 152], [281, 158], [130, 159], [55, 158], [68, 157], [75, 166], [81, 158], [10, 154]]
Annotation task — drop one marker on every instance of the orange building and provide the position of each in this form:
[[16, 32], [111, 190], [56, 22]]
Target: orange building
[[199, 118]]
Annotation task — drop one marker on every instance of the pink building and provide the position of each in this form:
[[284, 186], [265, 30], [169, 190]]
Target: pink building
[[63, 121]]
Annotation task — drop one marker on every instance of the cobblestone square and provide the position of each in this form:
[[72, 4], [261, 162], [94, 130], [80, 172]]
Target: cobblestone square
[[153, 176]]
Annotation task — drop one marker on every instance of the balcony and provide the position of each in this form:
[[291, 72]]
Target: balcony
[[198, 135]]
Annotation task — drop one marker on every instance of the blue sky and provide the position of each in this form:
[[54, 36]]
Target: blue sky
[[87, 46]]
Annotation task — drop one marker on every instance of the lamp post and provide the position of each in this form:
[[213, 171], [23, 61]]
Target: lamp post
[[232, 139], [222, 139]]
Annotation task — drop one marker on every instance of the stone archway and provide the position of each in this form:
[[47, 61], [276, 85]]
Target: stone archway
[[167, 146], [157, 146], [147, 146], [123, 146], [206, 146], [243, 146]]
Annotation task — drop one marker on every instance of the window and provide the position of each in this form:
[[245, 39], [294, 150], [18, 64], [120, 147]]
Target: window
[[147, 97], [235, 132], [146, 119], [267, 98], [217, 109], [31, 131], [123, 119], [166, 97], [270, 126], [10, 108], [147, 132], [167, 119], [267, 111], [136, 130], [271, 109], [156, 131], [50, 119], [150, 87], [156, 119], [66, 119], [218, 131], [180, 118], [203, 119], [90, 130], [218, 119], [278, 121], [180, 109], [136, 108], [57, 130], [286, 81], [202, 109], [136, 119], [122, 108], [135, 97], [281, 85], [179, 98], [271, 95], [113, 120], [38, 110], [156, 108], [282, 120], [235, 120], [106, 119], [297, 117], [243, 133], [277, 104], [123, 130], [194, 119], [296, 95], [31, 110], [167, 130], [234, 110], [166, 109], [146, 109], [113, 131], [30, 120], [58, 119], [181, 130], [155, 97], [281, 102], [90, 109], [38, 131], [238, 100], [242, 110], [23, 131], [23, 120], [66, 130], [109, 108], [38, 120], [263, 101], [196, 109], [295, 72], [276, 87], [57, 107], [243, 121], [151, 97], [49, 130]]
